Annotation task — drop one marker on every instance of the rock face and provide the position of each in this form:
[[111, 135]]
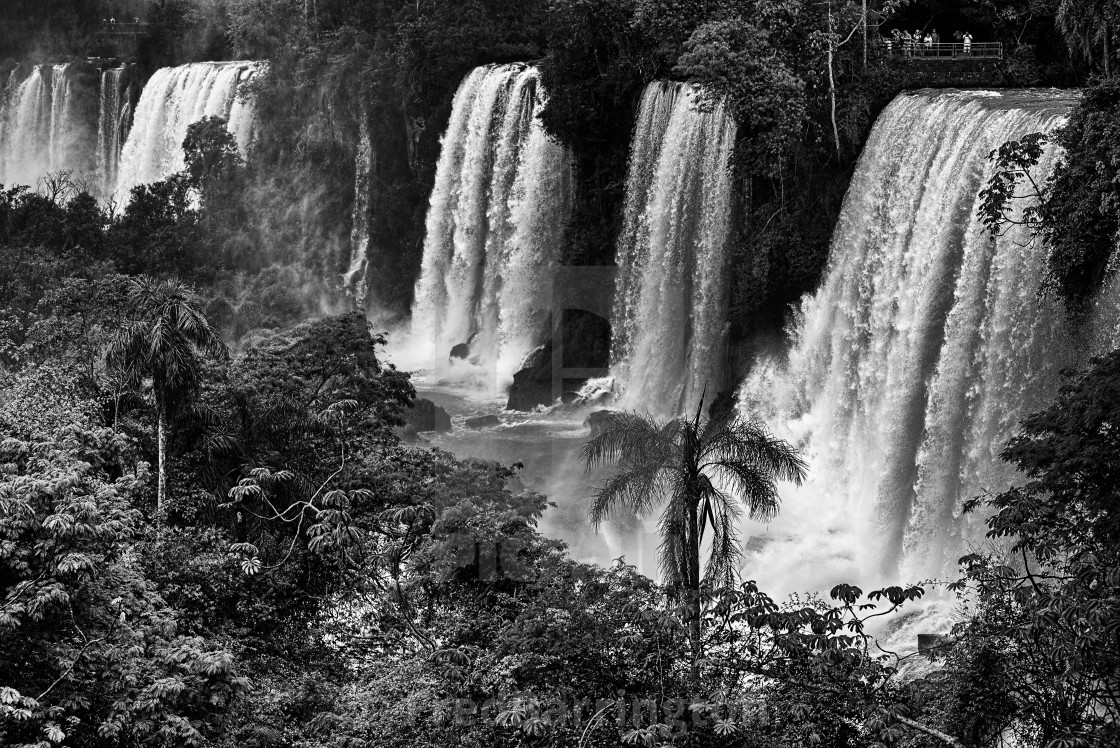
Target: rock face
[[427, 416], [532, 386], [483, 422], [462, 350], [587, 345]]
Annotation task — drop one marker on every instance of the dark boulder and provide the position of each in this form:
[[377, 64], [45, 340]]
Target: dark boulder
[[586, 338], [462, 350], [483, 422], [427, 416], [531, 387]]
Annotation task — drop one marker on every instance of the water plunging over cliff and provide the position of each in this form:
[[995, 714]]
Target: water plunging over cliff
[[114, 118], [44, 124], [913, 363], [172, 100], [501, 200], [669, 316]]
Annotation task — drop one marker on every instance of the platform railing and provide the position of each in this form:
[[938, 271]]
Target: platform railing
[[123, 28], [943, 50]]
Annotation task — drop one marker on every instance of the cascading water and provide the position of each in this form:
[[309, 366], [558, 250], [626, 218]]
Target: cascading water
[[501, 201], [913, 364], [45, 127], [114, 118], [355, 278], [174, 99], [670, 298]]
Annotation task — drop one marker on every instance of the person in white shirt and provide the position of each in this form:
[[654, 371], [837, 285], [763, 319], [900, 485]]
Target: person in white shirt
[[967, 39]]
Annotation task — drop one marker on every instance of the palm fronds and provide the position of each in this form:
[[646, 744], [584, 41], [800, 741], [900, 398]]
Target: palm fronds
[[706, 472]]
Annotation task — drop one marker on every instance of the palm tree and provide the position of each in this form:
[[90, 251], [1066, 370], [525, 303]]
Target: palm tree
[[705, 472], [164, 344]]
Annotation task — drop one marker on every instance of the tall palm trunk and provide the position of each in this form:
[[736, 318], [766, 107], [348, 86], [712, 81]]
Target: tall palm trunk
[[693, 584], [1107, 52], [161, 439]]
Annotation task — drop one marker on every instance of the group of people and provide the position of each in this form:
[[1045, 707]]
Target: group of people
[[921, 45]]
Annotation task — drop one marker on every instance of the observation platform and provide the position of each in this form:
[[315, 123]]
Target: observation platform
[[118, 39], [944, 52]]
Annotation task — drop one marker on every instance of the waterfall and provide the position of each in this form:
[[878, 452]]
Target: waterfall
[[44, 127], [174, 99], [355, 278], [501, 200], [114, 117], [913, 364], [669, 314]]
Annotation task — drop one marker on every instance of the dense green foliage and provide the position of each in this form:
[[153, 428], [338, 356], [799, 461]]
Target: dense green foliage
[[1076, 212]]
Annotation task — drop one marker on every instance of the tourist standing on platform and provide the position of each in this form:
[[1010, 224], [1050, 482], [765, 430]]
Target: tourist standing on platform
[[967, 40]]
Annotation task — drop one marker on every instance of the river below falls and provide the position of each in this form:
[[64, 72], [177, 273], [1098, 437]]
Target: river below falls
[[547, 444]]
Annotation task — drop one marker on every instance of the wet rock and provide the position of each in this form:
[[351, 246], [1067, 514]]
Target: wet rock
[[569, 397], [587, 341], [462, 350], [483, 422], [427, 416]]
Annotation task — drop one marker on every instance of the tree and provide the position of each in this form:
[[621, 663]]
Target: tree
[[89, 651], [1039, 652], [210, 153], [1077, 210], [1086, 23], [685, 463], [735, 59], [164, 344]]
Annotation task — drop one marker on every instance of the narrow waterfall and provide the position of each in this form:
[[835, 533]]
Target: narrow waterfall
[[355, 279], [172, 100], [669, 315], [912, 365], [114, 118], [501, 200], [45, 125]]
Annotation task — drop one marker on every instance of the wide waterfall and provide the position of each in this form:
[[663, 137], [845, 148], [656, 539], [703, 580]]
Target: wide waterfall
[[501, 200], [912, 365], [172, 100], [45, 124], [671, 293]]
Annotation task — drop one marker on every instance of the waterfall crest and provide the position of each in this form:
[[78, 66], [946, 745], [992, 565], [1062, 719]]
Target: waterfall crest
[[172, 100], [668, 324], [927, 344], [44, 124], [499, 206]]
